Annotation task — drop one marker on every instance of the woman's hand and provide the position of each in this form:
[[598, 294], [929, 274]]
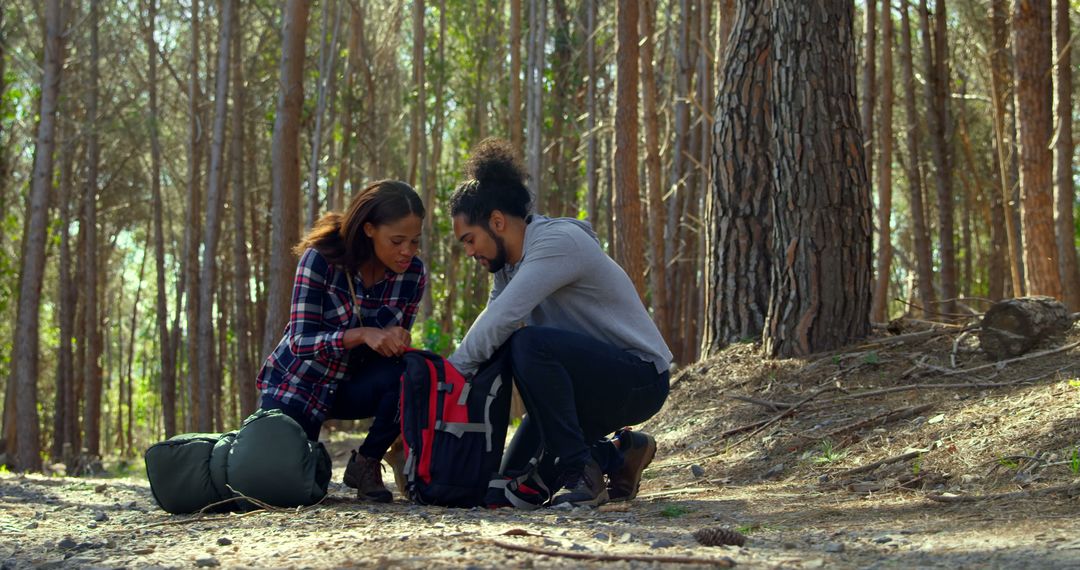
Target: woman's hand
[[386, 342], [403, 335]]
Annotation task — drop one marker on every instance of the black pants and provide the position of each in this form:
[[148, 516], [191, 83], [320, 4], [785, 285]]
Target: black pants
[[577, 391], [372, 390]]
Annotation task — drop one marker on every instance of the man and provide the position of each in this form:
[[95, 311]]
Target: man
[[585, 353]]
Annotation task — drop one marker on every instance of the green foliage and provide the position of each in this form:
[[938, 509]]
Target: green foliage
[[1074, 462], [674, 511], [433, 338], [871, 358], [916, 466], [828, 454], [1008, 463]]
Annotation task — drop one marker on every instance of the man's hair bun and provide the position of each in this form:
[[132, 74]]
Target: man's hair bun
[[494, 161]]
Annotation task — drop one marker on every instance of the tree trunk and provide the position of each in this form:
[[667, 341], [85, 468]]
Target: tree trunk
[[1065, 193], [243, 370], [629, 248], [680, 160], [657, 221], [879, 312], [67, 293], [514, 102], [1031, 47], [327, 64], [168, 367], [591, 176], [820, 292], [92, 325], [738, 217], [26, 344], [193, 220], [869, 81], [285, 171], [427, 235], [934, 52], [126, 380], [923, 261], [349, 104], [1014, 326], [1001, 80], [534, 87], [215, 200]]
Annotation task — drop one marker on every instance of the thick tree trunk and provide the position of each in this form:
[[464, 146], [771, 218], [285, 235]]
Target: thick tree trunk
[[1000, 81], [629, 249], [92, 325], [26, 347], [514, 102], [1014, 326], [215, 200], [243, 370], [168, 367], [738, 217], [1031, 46], [285, 171], [921, 238], [822, 244], [654, 168], [193, 219], [1064, 190]]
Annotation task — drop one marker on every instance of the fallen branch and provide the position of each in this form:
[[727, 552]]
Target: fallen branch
[[721, 562], [683, 491], [880, 419], [1066, 489], [887, 461], [775, 406], [1003, 363], [783, 414]]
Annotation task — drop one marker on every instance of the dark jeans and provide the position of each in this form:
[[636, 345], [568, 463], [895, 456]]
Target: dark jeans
[[577, 391], [372, 390]]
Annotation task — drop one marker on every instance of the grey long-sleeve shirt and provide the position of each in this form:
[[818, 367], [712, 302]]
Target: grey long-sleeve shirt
[[566, 281]]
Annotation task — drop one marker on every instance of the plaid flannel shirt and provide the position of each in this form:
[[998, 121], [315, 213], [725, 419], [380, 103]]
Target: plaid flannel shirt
[[311, 359]]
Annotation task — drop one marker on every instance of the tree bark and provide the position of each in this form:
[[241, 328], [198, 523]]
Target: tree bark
[[934, 52], [822, 243], [68, 293], [1065, 192], [168, 367], [869, 81], [420, 136], [1000, 80], [26, 344], [514, 102], [1014, 326], [193, 218], [654, 168], [92, 326], [879, 311], [591, 176], [1031, 47], [921, 233], [738, 217], [215, 200], [243, 370], [629, 249], [534, 87], [285, 171], [327, 65]]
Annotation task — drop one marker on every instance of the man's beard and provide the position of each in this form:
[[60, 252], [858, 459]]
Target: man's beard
[[499, 261]]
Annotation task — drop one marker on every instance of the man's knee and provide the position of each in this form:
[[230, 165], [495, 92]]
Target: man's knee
[[528, 342]]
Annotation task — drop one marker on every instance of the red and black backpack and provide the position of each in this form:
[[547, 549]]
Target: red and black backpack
[[453, 429]]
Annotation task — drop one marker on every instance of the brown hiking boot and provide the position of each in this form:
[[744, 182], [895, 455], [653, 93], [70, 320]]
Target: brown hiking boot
[[638, 450], [365, 475]]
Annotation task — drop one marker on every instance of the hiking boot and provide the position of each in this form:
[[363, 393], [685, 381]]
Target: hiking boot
[[583, 486], [365, 475], [638, 450]]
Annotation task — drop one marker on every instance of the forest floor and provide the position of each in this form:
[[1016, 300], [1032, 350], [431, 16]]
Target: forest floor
[[989, 478]]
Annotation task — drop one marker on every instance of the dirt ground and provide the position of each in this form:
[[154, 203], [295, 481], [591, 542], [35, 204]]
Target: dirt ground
[[989, 478]]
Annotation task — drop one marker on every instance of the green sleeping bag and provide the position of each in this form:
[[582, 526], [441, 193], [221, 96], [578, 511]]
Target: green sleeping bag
[[269, 459]]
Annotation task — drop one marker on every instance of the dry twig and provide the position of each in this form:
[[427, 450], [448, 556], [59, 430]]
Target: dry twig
[[1069, 489], [887, 461], [721, 562]]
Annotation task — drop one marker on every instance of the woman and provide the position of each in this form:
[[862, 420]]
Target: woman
[[355, 296]]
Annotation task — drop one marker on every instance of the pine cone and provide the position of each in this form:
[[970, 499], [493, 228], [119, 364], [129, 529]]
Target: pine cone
[[717, 536]]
